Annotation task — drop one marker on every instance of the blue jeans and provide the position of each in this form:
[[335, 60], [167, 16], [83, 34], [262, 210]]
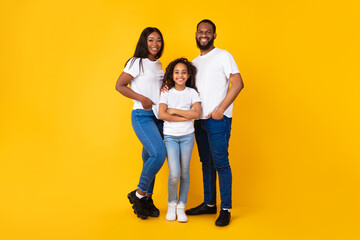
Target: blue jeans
[[212, 138], [179, 151], [149, 131]]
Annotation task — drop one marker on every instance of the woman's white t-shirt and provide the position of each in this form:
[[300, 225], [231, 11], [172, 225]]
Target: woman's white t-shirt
[[182, 100], [147, 80]]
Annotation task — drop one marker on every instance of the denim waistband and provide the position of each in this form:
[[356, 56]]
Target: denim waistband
[[143, 112]]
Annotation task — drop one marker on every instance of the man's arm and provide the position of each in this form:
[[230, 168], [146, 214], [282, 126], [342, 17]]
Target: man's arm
[[236, 86]]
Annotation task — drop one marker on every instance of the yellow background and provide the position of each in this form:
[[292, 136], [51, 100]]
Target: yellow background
[[69, 155]]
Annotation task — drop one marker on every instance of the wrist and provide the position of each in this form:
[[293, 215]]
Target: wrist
[[221, 110], [142, 98]]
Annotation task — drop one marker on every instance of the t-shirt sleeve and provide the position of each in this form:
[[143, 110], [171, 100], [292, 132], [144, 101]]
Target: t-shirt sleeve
[[132, 67], [229, 65], [195, 96], [164, 97]]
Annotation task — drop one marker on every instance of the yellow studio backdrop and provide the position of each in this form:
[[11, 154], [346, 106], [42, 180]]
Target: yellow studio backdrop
[[69, 155]]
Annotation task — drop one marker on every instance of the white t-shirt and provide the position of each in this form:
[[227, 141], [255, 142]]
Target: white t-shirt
[[182, 100], [147, 80], [212, 79]]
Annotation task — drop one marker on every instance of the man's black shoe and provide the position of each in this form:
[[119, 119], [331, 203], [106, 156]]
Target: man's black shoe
[[223, 219], [201, 209], [139, 205], [153, 211]]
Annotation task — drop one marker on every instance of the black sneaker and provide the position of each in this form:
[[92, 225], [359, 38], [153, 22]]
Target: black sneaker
[[139, 205], [153, 211], [223, 219], [201, 209]]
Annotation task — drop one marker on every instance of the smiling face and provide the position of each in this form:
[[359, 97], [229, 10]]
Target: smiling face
[[154, 43], [180, 75], [205, 36]]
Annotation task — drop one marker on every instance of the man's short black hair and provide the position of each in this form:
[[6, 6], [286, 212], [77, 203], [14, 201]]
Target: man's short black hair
[[207, 21]]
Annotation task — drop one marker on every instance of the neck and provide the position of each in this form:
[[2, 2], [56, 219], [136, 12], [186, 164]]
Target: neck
[[203, 52], [151, 57], [179, 87]]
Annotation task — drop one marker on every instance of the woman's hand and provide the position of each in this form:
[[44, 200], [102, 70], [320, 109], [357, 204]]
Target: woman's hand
[[146, 103], [164, 88]]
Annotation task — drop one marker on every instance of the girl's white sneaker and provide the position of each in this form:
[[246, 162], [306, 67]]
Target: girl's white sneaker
[[171, 215], [181, 216]]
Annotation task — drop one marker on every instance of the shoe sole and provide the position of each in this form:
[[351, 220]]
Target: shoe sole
[[154, 215], [137, 214], [194, 214], [222, 225]]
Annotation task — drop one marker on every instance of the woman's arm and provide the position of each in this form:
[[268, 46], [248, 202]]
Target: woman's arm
[[193, 113], [163, 115], [122, 87]]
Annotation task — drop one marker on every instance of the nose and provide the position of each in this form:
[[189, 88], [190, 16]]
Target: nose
[[203, 34]]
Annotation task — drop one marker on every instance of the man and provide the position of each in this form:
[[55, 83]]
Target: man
[[216, 68]]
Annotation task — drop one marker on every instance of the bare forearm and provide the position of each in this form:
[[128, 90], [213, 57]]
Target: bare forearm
[[236, 86], [171, 118], [230, 97], [128, 92], [189, 114]]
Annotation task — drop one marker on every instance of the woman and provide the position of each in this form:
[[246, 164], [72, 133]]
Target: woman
[[144, 74]]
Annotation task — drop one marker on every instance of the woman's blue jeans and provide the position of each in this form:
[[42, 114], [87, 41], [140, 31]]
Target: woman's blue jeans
[[149, 131], [212, 138], [179, 151]]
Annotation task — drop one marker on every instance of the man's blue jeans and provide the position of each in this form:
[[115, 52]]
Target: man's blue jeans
[[212, 138], [149, 131], [179, 151]]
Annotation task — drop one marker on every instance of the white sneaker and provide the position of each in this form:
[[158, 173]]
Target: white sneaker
[[171, 215], [181, 216]]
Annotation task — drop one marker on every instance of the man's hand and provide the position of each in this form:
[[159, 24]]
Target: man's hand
[[216, 114]]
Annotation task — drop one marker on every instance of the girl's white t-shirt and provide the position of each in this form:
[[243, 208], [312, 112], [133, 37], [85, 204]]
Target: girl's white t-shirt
[[182, 100], [212, 79], [147, 80]]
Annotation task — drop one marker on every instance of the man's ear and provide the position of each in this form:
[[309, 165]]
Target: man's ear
[[215, 35]]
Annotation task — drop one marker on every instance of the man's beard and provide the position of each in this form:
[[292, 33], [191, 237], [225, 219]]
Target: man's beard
[[205, 47]]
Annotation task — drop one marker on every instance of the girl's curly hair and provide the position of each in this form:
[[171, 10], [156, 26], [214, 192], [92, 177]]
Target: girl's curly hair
[[168, 77]]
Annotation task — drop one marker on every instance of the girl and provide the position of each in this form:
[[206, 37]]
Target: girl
[[144, 74], [179, 107]]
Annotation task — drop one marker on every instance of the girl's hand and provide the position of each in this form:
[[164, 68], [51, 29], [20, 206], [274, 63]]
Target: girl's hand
[[146, 103]]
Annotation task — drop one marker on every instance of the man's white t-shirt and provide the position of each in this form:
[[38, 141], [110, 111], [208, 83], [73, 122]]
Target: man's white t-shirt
[[147, 80], [182, 100], [212, 79]]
